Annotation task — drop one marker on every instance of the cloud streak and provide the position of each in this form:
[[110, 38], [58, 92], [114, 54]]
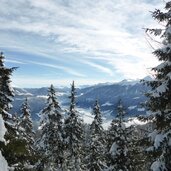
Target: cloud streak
[[99, 67], [88, 30], [65, 69]]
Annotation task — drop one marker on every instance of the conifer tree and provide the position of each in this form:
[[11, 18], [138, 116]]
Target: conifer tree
[[119, 155], [159, 103], [6, 91], [26, 123], [96, 157], [24, 126], [15, 148], [73, 135], [51, 140]]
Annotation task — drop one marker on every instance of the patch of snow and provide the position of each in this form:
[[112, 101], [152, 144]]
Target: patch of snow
[[132, 107], [106, 124], [24, 94], [44, 97], [136, 98], [141, 109], [152, 135], [2, 129], [158, 166], [161, 89], [3, 163], [158, 139], [86, 115], [107, 104], [150, 149], [114, 149]]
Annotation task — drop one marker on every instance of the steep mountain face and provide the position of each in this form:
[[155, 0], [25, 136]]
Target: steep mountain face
[[36, 98], [130, 92]]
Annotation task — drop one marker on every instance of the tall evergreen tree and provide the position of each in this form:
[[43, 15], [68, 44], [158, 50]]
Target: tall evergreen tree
[[26, 132], [51, 140], [96, 157], [6, 91], [26, 123], [159, 103], [119, 156], [73, 135], [15, 148]]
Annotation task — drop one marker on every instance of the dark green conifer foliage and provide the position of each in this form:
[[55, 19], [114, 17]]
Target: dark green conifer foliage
[[96, 156], [73, 135], [26, 123], [6, 91], [159, 103], [118, 153], [26, 134], [15, 150], [50, 144]]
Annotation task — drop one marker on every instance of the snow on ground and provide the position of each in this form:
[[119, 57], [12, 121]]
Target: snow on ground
[[107, 104], [141, 109], [3, 163], [87, 117], [132, 107], [2, 129], [43, 96], [136, 98]]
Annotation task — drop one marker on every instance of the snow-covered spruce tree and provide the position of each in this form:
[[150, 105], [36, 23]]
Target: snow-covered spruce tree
[[24, 126], [73, 135], [136, 154], [6, 91], [96, 156], [14, 148], [159, 103], [50, 144], [118, 154], [4, 105], [26, 123]]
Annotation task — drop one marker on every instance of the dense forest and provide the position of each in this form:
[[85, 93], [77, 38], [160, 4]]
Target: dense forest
[[63, 142]]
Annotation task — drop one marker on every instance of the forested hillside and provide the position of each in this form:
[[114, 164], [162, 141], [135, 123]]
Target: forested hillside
[[64, 142]]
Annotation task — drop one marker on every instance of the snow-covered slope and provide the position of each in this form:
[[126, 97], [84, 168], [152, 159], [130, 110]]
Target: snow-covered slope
[[3, 162], [131, 92]]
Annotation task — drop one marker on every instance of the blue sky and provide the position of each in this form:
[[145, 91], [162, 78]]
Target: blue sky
[[89, 41]]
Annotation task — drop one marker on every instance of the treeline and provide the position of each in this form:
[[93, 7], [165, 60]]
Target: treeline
[[63, 141], [68, 144]]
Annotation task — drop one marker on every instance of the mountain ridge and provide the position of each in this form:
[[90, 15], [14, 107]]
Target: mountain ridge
[[131, 92]]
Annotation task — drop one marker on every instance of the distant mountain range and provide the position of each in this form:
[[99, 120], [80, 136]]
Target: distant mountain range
[[130, 92]]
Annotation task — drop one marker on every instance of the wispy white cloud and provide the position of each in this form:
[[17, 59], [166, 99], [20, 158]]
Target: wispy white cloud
[[110, 31], [14, 61], [99, 67], [21, 81], [63, 68]]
